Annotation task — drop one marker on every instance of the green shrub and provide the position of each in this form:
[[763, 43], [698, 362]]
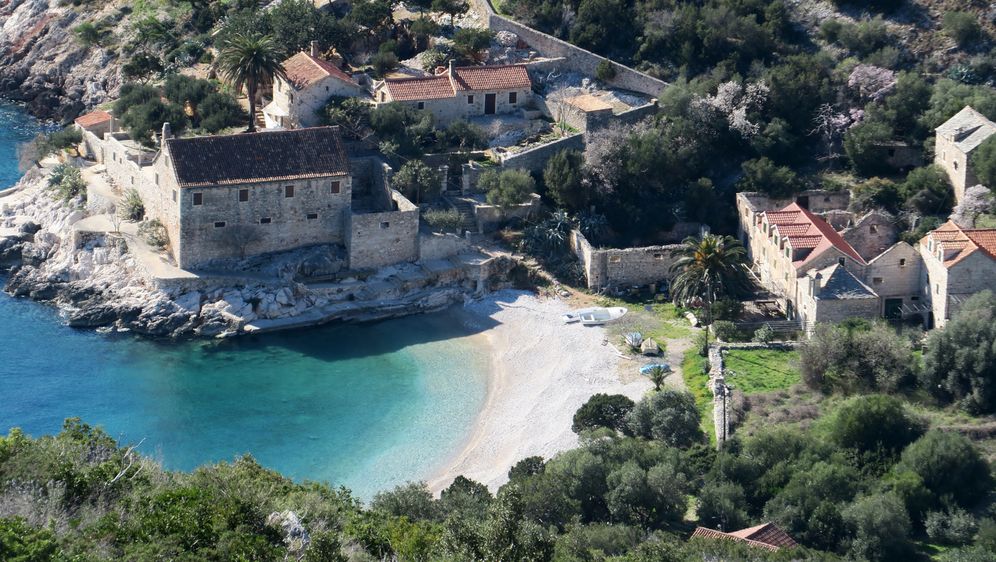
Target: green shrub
[[955, 526], [132, 207], [508, 188], [764, 334], [669, 416], [726, 331], [448, 220], [67, 181], [417, 181], [154, 233], [874, 424], [963, 27], [605, 71], [950, 467], [602, 410]]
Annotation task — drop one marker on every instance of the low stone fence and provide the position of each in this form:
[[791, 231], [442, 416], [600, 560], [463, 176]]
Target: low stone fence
[[384, 238], [438, 245], [725, 397], [490, 217], [578, 59], [534, 159]]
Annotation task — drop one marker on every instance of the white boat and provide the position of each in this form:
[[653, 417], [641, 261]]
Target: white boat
[[599, 316], [575, 315]]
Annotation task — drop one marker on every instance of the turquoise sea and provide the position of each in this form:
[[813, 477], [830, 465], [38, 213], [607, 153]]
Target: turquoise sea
[[367, 406]]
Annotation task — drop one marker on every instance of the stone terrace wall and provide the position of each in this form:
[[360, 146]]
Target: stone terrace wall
[[622, 267], [437, 246], [381, 239], [578, 59], [534, 159]]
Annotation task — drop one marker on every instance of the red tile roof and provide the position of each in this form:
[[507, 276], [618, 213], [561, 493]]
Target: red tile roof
[[418, 89], [766, 536], [506, 77], [963, 241], [93, 118], [304, 70], [818, 235]]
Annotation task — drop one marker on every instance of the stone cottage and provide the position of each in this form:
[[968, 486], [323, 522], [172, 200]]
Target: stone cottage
[[461, 92], [956, 140], [309, 83], [958, 262]]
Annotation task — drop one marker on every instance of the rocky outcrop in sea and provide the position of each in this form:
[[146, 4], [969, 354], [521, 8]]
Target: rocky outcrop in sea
[[97, 280]]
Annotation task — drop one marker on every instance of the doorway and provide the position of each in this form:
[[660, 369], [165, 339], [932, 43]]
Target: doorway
[[489, 103], [893, 309]]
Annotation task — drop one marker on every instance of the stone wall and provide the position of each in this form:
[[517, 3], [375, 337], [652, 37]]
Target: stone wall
[[896, 273], [952, 160], [622, 267], [490, 217], [465, 104], [124, 162], [224, 227], [534, 159], [437, 245], [578, 59], [303, 105], [384, 238], [872, 234]]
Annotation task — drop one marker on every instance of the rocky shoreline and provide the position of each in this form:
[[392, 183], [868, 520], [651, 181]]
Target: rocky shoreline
[[99, 282]]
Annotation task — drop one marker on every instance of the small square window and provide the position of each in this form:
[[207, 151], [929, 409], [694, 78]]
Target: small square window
[[955, 164], [243, 195], [312, 216], [289, 191], [658, 256], [902, 262], [513, 97], [873, 229], [615, 259], [198, 199], [421, 105], [326, 88], [219, 224], [876, 280], [470, 99], [914, 298], [385, 225], [841, 261], [336, 187], [826, 199], [265, 220]]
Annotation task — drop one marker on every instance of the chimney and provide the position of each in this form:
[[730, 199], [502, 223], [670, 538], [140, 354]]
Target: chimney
[[314, 49], [452, 66], [167, 131], [452, 75]]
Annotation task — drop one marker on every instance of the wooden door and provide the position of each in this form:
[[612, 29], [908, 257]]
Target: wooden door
[[489, 103]]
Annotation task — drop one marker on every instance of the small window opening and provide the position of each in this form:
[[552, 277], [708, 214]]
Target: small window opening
[[312, 216], [289, 191], [840, 261], [421, 105], [243, 195], [265, 220], [385, 225], [219, 224], [876, 280], [902, 262], [873, 229], [513, 97], [198, 199], [336, 187], [470, 99]]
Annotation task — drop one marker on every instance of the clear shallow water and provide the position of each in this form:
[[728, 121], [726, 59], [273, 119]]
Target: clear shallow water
[[367, 406]]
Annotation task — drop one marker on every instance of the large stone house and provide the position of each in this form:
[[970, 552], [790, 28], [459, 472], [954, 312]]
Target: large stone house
[[958, 262], [823, 273], [461, 92], [956, 141], [308, 84]]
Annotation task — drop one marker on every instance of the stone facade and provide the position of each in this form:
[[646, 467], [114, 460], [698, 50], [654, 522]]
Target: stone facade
[[622, 267], [955, 141], [378, 239], [309, 84], [872, 234], [957, 263]]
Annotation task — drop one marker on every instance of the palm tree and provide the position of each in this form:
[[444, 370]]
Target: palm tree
[[657, 374], [248, 61], [709, 268]]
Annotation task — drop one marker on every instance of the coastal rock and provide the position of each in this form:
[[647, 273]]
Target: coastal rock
[[295, 536], [285, 297]]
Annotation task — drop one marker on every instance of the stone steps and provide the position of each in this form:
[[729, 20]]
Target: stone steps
[[466, 209]]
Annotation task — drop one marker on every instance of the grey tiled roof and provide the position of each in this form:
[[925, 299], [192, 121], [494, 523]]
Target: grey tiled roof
[[257, 157], [969, 128], [840, 284]]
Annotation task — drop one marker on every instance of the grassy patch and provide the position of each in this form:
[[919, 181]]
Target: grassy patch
[[762, 370], [695, 372], [661, 321]]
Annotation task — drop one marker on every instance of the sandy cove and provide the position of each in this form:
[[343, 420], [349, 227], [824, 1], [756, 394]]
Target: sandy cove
[[542, 371]]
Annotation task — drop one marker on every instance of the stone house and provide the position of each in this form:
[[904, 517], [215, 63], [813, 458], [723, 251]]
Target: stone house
[[958, 262], [461, 92], [309, 83], [956, 140]]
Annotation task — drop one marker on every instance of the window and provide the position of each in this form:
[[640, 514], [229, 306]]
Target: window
[[219, 224], [892, 152], [937, 288], [513, 97], [826, 199], [873, 229], [385, 225], [470, 99], [421, 105], [326, 88], [876, 280], [290, 98], [788, 252], [658, 256], [336, 187], [265, 220], [174, 196], [902, 262], [312, 216], [243, 195], [383, 96], [198, 199], [914, 298], [930, 245], [615, 259], [133, 180], [157, 179], [840, 261], [289, 191], [955, 164]]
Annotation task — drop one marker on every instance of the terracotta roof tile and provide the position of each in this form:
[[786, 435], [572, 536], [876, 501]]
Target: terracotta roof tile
[[793, 229], [505, 77], [417, 89], [965, 242], [93, 118], [830, 237], [703, 532], [781, 217], [767, 533], [304, 70], [985, 239], [804, 242], [257, 157]]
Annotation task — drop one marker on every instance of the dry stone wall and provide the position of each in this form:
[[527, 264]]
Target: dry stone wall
[[622, 267], [381, 239]]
